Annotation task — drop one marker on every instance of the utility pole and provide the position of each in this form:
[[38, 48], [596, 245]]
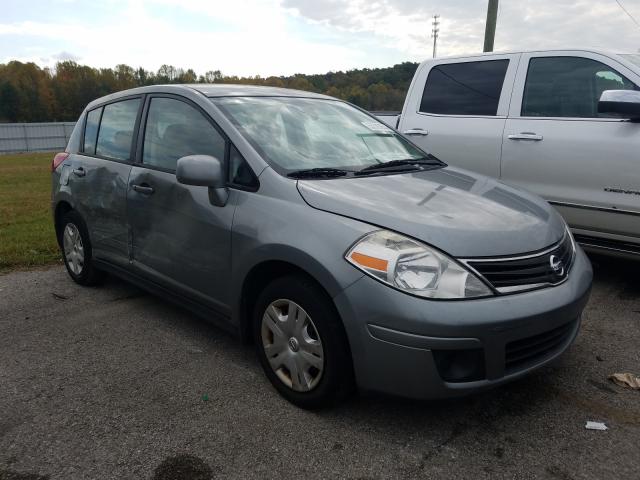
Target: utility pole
[[490, 28], [435, 32]]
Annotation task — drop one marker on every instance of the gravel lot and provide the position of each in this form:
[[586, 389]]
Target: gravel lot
[[114, 383]]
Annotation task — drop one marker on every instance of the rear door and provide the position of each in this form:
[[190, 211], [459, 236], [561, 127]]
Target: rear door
[[180, 239], [457, 108], [100, 174], [557, 145]]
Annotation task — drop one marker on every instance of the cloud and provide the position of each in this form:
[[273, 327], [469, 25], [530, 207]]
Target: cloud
[[261, 52], [62, 56], [522, 24], [255, 39], [282, 37]]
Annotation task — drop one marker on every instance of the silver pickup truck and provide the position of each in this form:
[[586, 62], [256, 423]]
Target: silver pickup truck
[[564, 124]]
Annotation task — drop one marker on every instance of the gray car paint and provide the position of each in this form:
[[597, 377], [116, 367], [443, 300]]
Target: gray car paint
[[203, 253], [465, 214], [102, 192], [179, 238], [400, 363]]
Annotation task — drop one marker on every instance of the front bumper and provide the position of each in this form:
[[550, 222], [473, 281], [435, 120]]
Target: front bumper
[[396, 337]]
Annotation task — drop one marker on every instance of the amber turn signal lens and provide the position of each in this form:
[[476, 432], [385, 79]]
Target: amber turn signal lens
[[370, 262]]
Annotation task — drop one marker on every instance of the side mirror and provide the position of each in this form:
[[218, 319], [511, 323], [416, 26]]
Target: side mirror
[[621, 103], [205, 171]]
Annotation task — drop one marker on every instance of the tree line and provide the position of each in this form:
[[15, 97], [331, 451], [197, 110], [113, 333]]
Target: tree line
[[29, 93]]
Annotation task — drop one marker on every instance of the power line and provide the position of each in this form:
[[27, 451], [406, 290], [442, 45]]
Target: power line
[[625, 11], [435, 32]]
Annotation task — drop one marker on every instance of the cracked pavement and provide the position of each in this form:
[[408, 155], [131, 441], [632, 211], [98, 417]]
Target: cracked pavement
[[111, 382]]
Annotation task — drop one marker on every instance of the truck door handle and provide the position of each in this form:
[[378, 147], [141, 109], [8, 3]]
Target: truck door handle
[[79, 172], [143, 189], [416, 131], [525, 136]]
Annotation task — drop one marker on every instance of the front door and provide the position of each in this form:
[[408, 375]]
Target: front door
[[557, 145], [179, 238]]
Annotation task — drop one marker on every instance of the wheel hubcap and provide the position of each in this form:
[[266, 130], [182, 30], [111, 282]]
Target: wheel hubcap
[[292, 345], [73, 248]]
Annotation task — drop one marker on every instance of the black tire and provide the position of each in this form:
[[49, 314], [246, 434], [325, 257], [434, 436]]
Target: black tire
[[88, 275], [336, 381]]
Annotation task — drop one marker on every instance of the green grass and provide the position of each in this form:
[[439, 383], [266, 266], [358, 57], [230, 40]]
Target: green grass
[[27, 237]]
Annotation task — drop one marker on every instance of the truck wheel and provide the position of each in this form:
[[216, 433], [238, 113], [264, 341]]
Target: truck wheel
[[301, 343]]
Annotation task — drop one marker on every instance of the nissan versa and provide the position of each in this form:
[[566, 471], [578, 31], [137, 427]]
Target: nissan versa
[[346, 253]]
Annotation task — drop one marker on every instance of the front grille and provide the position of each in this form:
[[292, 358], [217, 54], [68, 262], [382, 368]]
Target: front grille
[[528, 271], [528, 351]]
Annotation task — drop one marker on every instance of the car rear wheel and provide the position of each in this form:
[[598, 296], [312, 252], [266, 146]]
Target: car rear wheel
[[301, 343], [76, 250]]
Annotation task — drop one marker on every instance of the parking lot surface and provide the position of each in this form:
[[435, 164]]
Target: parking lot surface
[[111, 382]]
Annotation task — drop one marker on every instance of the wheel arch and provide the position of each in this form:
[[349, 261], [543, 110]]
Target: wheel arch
[[62, 208], [259, 276]]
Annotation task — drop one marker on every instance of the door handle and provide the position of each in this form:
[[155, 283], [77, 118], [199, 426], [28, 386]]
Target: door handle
[[525, 136], [143, 189], [416, 131], [79, 172]]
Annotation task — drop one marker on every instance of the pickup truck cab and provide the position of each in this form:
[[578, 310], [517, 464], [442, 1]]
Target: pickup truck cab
[[536, 120]]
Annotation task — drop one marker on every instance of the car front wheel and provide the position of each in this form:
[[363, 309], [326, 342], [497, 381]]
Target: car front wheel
[[301, 343]]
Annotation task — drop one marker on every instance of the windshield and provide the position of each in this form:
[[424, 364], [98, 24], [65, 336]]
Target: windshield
[[295, 134], [632, 58]]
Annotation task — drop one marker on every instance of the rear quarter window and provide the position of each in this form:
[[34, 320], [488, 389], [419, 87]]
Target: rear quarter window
[[73, 145], [91, 131], [468, 88]]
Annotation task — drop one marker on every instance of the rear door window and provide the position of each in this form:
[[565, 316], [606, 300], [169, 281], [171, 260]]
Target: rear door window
[[469, 88], [568, 87], [116, 129], [91, 131], [175, 129]]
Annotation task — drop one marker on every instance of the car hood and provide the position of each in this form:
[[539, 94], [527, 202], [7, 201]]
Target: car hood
[[462, 213]]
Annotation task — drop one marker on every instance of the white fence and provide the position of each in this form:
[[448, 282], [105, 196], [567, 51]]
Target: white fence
[[34, 137]]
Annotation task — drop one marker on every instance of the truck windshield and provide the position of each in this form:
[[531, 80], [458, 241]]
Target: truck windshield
[[295, 134]]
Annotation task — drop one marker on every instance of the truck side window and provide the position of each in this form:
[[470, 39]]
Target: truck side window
[[175, 129], [568, 87], [469, 88]]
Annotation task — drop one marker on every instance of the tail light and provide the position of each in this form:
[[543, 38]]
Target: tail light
[[58, 159]]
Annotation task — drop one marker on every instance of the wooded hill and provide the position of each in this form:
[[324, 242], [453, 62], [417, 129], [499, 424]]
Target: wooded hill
[[29, 93]]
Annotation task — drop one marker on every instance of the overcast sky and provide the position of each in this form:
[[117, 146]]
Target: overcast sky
[[282, 37]]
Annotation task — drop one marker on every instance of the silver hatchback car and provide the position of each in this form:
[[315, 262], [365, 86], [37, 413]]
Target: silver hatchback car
[[349, 256]]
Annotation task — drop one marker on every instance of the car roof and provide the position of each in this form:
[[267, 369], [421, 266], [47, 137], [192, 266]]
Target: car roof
[[212, 90], [231, 90]]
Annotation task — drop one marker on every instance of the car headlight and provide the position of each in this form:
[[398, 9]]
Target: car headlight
[[414, 267], [573, 240]]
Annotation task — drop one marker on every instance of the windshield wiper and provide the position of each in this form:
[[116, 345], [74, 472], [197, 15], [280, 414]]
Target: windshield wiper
[[318, 173], [401, 165]]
